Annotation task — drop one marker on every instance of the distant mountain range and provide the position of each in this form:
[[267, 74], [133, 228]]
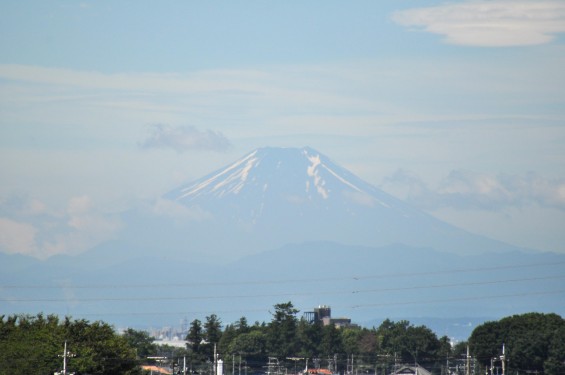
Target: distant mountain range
[[286, 224]]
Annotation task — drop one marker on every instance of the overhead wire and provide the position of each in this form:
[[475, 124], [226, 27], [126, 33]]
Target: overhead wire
[[281, 281], [286, 294], [350, 307], [326, 292]]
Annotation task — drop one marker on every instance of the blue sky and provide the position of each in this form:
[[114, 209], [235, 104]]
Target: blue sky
[[457, 107]]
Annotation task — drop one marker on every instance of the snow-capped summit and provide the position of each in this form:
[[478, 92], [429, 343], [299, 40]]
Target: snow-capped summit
[[274, 196], [268, 177], [272, 168]]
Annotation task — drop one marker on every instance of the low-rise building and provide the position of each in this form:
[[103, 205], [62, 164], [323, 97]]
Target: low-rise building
[[323, 314]]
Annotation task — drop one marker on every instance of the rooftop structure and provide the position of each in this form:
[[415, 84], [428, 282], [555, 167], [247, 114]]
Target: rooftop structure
[[323, 314]]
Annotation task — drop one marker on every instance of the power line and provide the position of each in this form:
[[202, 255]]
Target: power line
[[475, 283], [352, 307], [287, 294], [460, 299], [282, 281]]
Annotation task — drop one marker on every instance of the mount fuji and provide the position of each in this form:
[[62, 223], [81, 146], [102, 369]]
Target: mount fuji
[[235, 241], [275, 196]]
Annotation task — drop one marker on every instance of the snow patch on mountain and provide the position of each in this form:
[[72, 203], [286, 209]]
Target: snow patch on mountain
[[312, 171], [274, 196], [234, 179]]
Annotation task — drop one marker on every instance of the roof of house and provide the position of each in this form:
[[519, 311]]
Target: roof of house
[[411, 370], [156, 369]]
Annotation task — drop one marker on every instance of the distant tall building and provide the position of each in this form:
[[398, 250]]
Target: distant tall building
[[323, 314], [323, 311]]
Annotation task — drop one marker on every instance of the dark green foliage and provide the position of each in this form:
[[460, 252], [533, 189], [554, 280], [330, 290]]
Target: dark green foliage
[[281, 332], [229, 334], [213, 329], [141, 342], [34, 345], [212, 336], [309, 336], [194, 340], [534, 342], [331, 341], [408, 343]]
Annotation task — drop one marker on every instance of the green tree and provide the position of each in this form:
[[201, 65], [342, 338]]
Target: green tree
[[213, 329], [309, 336], [555, 362], [532, 341], [141, 341], [228, 335], [194, 340], [407, 342], [350, 338], [212, 336], [331, 341], [252, 346], [241, 326], [34, 345], [281, 336], [368, 345]]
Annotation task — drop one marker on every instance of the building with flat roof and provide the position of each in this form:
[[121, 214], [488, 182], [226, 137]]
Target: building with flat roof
[[323, 314]]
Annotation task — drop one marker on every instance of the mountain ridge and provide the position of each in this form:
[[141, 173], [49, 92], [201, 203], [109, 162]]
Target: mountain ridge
[[272, 196]]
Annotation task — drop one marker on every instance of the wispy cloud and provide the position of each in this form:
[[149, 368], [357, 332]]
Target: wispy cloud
[[185, 138], [17, 237], [471, 190], [175, 210], [493, 23], [27, 226]]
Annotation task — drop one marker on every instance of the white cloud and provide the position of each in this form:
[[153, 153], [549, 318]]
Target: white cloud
[[30, 227], [79, 205], [175, 210], [85, 227], [17, 237], [185, 138], [487, 191], [471, 190], [494, 23]]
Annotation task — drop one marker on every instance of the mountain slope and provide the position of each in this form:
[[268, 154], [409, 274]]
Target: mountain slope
[[274, 196]]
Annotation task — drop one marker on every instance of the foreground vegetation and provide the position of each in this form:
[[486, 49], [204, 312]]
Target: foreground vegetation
[[34, 345], [534, 343]]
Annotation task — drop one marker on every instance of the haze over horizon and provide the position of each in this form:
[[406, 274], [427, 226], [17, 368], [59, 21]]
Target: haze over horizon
[[457, 108]]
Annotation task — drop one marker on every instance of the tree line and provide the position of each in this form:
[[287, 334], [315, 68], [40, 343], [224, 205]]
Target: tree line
[[533, 342], [288, 338], [35, 345]]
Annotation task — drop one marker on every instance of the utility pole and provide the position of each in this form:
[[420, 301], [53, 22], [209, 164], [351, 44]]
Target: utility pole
[[468, 363], [65, 355], [502, 358], [215, 361], [65, 359]]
